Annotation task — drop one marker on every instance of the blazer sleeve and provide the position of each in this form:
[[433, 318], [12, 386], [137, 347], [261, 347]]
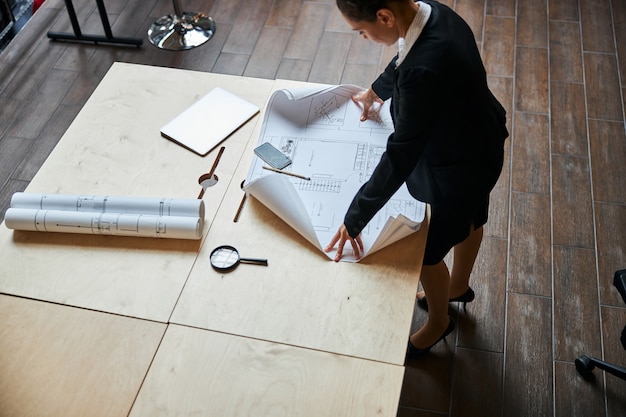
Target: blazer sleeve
[[383, 86], [415, 102]]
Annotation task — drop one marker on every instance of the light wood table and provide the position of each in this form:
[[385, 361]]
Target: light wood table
[[114, 147], [197, 372], [301, 298], [303, 336], [62, 361]]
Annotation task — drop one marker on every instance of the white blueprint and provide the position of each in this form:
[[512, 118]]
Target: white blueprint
[[173, 218], [322, 133]]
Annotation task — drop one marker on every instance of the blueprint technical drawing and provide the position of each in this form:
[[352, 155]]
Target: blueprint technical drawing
[[173, 218], [322, 133]]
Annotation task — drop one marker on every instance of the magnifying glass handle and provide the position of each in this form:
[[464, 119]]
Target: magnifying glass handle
[[255, 261]]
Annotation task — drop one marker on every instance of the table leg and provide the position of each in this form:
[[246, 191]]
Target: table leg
[[78, 36]]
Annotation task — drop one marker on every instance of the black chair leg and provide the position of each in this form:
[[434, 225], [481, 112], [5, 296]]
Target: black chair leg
[[585, 365]]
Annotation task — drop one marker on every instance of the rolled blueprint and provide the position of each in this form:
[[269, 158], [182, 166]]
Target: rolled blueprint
[[140, 225], [183, 207]]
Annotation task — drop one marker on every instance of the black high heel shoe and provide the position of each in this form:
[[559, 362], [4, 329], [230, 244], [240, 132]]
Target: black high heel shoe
[[416, 352], [467, 297]]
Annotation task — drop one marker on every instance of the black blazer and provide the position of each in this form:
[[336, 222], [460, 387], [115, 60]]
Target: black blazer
[[449, 130]]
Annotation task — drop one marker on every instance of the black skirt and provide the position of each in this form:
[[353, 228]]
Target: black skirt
[[451, 224]]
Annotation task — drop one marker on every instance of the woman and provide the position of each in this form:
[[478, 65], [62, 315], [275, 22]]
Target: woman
[[447, 144]]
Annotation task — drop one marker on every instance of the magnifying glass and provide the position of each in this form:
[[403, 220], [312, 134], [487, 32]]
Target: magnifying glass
[[226, 257]]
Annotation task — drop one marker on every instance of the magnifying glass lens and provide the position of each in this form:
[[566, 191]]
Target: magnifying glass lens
[[224, 257]]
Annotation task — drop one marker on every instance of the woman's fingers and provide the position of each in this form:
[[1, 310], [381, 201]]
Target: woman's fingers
[[333, 242], [360, 242], [340, 239], [357, 247], [339, 253], [366, 99]]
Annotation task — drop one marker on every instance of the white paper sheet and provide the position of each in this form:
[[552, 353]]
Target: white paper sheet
[[322, 133]]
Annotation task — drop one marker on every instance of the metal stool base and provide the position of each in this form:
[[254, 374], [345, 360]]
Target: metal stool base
[[180, 33]]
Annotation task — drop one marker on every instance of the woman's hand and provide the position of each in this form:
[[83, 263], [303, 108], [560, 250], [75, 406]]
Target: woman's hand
[[365, 100], [341, 237]]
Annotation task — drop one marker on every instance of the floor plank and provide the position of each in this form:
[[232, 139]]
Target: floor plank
[[531, 154], [498, 48], [608, 153], [597, 35], [530, 263], [568, 121], [603, 87], [474, 399], [531, 80], [576, 317], [565, 52], [564, 10], [529, 346], [265, 59], [613, 320], [610, 221], [575, 396], [532, 21], [481, 325], [571, 202]]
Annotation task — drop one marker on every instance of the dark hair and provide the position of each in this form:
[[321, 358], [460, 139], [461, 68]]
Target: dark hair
[[363, 10]]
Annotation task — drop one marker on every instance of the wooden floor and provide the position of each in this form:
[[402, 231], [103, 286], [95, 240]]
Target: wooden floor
[[557, 231]]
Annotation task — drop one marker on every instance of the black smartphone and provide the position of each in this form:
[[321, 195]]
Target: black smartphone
[[271, 155]]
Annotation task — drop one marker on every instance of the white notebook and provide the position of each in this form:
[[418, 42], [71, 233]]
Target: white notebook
[[209, 121]]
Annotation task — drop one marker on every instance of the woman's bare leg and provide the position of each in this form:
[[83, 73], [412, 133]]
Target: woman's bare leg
[[435, 280], [465, 254]]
